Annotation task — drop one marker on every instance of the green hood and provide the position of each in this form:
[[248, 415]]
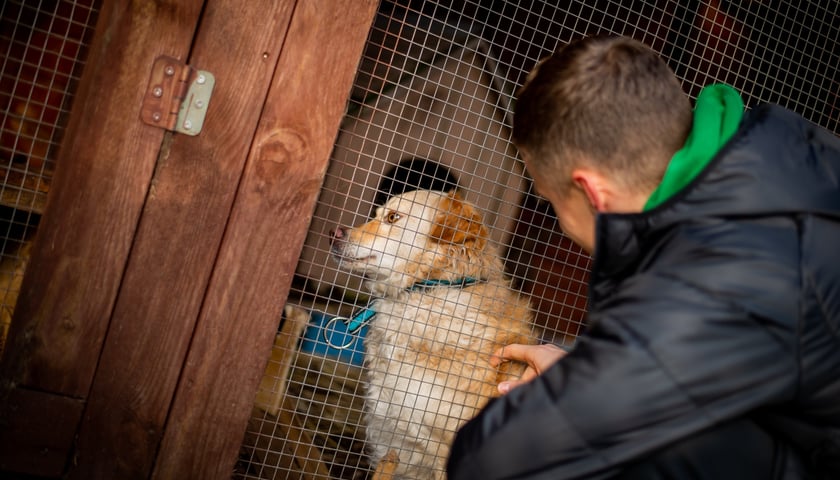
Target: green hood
[[717, 114]]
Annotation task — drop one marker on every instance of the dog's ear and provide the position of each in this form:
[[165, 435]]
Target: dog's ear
[[458, 222]]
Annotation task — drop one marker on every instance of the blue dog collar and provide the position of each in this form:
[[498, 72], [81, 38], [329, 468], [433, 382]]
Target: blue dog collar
[[362, 317]]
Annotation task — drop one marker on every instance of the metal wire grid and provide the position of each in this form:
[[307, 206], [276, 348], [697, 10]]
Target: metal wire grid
[[432, 99], [43, 45], [782, 52]]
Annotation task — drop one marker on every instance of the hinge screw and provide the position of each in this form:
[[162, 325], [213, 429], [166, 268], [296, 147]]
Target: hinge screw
[[199, 104], [200, 80], [169, 70], [157, 91], [187, 124], [156, 116]]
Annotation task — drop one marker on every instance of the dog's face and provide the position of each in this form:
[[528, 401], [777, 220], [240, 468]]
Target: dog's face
[[409, 234]]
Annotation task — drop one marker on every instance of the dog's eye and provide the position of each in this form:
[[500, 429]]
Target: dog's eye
[[392, 217]]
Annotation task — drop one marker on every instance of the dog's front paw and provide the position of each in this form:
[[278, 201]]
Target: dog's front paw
[[387, 466], [297, 316]]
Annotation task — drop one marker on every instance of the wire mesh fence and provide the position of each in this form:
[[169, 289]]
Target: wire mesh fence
[[431, 109]]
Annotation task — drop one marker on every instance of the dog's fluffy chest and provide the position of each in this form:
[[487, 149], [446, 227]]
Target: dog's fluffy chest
[[418, 347]]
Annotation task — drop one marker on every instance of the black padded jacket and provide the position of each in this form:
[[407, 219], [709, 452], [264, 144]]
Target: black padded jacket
[[721, 303]]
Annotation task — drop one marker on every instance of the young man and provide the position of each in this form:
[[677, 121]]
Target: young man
[[713, 345]]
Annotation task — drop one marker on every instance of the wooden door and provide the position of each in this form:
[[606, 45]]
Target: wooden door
[[163, 260]]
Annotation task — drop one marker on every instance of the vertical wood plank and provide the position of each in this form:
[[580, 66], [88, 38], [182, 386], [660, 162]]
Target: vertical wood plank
[[103, 172], [104, 168], [177, 243], [266, 231]]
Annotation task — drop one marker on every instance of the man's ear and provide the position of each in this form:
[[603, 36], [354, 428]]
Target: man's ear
[[595, 186]]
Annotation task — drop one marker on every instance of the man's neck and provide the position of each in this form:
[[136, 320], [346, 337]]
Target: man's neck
[[622, 201]]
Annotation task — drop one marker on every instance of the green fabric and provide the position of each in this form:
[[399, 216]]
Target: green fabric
[[717, 114]]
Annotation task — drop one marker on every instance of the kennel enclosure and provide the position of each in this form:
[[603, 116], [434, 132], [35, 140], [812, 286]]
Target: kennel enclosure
[[436, 85], [148, 332]]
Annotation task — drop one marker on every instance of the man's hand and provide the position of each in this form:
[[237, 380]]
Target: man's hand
[[538, 358]]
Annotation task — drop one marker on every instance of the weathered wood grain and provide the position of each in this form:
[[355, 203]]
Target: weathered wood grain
[[264, 236], [177, 244], [104, 169]]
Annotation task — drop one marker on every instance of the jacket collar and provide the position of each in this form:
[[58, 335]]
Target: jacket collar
[[777, 163]]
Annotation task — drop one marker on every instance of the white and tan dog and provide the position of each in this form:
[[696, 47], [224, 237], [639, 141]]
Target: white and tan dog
[[443, 305]]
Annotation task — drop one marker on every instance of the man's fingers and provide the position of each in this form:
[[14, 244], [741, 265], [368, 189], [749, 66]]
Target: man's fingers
[[505, 387], [527, 376], [513, 351], [538, 357]]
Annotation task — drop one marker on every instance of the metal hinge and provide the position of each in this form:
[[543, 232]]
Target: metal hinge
[[177, 96]]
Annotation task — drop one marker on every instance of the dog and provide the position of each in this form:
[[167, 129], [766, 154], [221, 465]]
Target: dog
[[442, 305]]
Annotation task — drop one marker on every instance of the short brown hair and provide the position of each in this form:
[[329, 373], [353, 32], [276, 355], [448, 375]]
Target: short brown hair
[[608, 99]]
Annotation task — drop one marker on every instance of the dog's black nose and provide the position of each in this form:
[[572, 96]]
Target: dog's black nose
[[336, 234]]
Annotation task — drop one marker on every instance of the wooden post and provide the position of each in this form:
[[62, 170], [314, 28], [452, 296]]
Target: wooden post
[[178, 241], [80, 254], [163, 260], [264, 237]]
